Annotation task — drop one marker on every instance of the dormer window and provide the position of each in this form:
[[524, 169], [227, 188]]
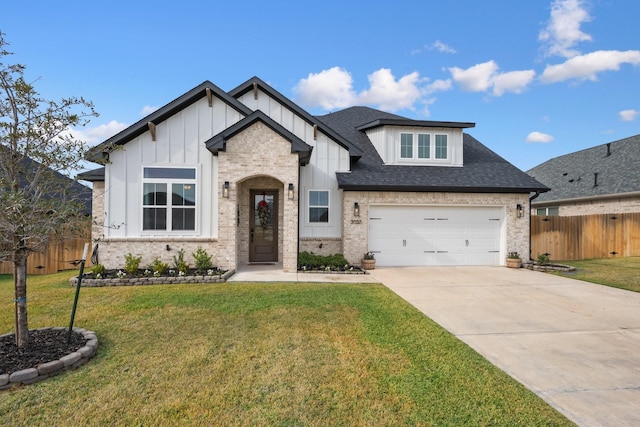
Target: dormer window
[[419, 146]]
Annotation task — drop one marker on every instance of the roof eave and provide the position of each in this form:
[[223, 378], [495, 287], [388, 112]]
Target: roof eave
[[418, 123], [439, 189]]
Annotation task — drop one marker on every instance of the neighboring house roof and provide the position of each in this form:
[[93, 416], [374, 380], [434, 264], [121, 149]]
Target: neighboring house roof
[[219, 141], [483, 171], [78, 192], [607, 170]]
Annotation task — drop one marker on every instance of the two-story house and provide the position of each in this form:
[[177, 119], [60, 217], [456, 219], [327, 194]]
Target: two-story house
[[251, 177]]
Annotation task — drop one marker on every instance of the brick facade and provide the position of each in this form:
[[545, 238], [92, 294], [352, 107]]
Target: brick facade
[[256, 158], [618, 205], [356, 229]]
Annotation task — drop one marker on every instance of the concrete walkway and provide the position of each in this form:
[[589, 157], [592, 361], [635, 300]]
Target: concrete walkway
[[274, 273], [573, 343]]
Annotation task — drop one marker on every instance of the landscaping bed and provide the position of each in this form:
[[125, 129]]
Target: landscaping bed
[[47, 354], [146, 277]]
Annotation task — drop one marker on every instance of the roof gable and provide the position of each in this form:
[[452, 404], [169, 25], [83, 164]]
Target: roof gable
[[483, 171], [256, 83], [100, 153], [219, 142], [602, 171]]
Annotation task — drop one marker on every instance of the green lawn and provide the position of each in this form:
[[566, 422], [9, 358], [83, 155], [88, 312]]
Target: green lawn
[[623, 272], [261, 354]]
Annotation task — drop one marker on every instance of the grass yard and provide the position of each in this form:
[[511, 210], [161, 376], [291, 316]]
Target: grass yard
[[621, 272], [261, 354]]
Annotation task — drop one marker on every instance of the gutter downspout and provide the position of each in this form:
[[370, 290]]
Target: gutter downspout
[[531, 199]]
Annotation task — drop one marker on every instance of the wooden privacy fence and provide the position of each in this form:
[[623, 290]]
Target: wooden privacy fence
[[586, 236], [58, 256]]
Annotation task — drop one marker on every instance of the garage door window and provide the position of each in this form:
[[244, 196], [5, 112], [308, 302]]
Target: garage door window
[[319, 206]]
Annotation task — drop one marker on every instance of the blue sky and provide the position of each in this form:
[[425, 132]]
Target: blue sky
[[539, 78]]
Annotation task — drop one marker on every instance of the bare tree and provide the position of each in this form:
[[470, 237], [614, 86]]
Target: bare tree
[[37, 151]]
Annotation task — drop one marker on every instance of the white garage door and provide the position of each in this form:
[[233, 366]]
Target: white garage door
[[416, 235]]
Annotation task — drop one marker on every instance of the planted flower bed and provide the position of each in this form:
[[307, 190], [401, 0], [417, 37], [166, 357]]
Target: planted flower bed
[[308, 262], [158, 272]]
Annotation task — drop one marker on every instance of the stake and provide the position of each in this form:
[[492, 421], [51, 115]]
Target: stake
[[75, 301]]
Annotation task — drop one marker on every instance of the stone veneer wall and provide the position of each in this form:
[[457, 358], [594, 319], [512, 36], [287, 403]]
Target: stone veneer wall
[[111, 252], [596, 207], [253, 155], [321, 245], [356, 229], [97, 200]]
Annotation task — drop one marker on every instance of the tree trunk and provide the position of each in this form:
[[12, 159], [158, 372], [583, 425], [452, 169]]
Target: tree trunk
[[20, 282]]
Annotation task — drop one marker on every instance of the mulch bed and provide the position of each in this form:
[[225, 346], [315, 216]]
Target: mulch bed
[[45, 345]]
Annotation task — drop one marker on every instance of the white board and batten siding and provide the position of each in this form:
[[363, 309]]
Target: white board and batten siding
[[327, 158], [436, 235], [179, 143]]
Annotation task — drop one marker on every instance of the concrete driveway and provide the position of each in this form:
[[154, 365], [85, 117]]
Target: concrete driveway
[[573, 343]]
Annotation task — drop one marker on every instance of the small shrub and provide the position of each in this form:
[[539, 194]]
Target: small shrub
[[131, 263], [543, 259], [369, 255], [98, 270], [513, 255], [180, 264], [159, 268], [202, 260], [311, 261]]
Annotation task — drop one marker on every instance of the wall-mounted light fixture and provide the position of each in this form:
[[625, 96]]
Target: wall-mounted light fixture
[[519, 210], [356, 209], [225, 190], [290, 191]]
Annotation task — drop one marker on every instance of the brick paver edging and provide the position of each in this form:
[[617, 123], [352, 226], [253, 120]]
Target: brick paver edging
[[141, 281], [55, 367]]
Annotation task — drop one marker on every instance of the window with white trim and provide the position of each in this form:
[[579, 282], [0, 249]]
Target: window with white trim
[[319, 206], [164, 210], [419, 146], [551, 211]]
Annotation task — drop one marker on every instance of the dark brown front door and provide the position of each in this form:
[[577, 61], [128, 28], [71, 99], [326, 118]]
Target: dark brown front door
[[263, 233]]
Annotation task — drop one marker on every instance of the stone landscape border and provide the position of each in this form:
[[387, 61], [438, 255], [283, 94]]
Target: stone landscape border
[[161, 280], [55, 367]]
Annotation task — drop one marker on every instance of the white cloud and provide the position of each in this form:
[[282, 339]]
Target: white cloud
[[438, 86], [389, 94], [329, 89], [148, 109], [484, 76], [95, 135], [563, 31], [333, 89], [514, 81], [585, 67], [441, 47], [476, 78], [628, 115], [437, 45], [539, 137]]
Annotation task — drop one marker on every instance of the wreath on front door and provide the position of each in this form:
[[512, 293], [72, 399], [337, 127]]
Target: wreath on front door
[[264, 214]]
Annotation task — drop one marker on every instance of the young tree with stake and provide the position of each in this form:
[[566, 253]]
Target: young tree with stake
[[37, 151]]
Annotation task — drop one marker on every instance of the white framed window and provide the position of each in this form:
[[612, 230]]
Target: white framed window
[[550, 211], [406, 145], [168, 199], [319, 206], [441, 148], [424, 146]]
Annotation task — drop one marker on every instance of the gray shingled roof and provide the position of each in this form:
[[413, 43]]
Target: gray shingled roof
[[483, 171], [572, 176]]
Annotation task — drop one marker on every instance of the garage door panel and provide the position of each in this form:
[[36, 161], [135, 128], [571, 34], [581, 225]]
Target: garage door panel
[[410, 235]]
